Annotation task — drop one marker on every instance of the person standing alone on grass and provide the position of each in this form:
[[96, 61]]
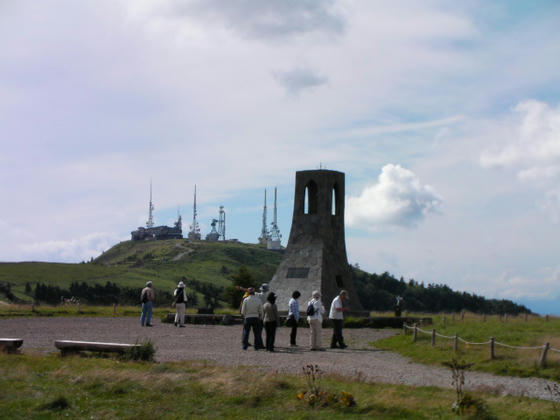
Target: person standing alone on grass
[[293, 317], [147, 296], [271, 320], [252, 311], [336, 314], [180, 304], [315, 311]]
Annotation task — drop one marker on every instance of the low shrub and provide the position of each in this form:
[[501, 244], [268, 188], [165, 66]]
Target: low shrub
[[142, 351]]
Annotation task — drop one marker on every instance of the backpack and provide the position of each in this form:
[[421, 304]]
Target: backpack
[[310, 309], [180, 297]]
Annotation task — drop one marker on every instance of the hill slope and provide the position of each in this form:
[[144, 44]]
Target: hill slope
[[130, 264]]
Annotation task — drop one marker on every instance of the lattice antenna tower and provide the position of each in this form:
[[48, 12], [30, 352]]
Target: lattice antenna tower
[[150, 222], [264, 231], [274, 231], [222, 223], [194, 228]]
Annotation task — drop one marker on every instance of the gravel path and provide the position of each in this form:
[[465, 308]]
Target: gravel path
[[222, 344]]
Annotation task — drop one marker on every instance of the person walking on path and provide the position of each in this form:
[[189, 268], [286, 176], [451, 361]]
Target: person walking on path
[[147, 296], [180, 304], [252, 311], [293, 317], [271, 320], [315, 311], [336, 314]]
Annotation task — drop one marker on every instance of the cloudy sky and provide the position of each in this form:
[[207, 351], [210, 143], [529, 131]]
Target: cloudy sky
[[445, 117]]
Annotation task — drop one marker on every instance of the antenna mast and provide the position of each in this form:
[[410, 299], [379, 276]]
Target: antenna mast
[[150, 222], [222, 223], [194, 232], [264, 231], [275, 238]]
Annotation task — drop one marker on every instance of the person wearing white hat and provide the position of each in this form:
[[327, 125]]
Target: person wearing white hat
[[180, 304], [315, 311]]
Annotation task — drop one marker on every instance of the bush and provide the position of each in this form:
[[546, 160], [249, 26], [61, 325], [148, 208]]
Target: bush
[[144, 351]]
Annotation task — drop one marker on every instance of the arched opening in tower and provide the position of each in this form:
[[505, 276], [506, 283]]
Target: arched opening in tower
[[334, 200], [310, 199]]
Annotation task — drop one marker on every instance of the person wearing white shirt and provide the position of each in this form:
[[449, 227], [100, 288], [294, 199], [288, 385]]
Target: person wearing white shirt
[[293, 316], [252, 311], [336, 315]]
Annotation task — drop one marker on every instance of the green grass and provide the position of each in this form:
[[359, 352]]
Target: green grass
[[45, 387], [515, 332], [26, 310], [132, 263]]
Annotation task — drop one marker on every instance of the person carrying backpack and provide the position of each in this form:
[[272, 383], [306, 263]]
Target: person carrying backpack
[[315, 311], [180, 304]]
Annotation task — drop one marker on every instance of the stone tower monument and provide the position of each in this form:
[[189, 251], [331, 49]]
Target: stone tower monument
[[315, 258]]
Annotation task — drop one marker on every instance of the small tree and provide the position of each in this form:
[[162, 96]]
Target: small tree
[[243, 278]]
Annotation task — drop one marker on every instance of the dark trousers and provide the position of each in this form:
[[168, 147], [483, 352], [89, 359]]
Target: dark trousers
[[337, 333], [293, 334], [256, 325], [270, 328]]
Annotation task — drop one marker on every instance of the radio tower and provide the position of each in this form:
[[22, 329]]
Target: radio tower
[[150, 222], [194, 232], [275, 237], [263, 239], [222, 223]]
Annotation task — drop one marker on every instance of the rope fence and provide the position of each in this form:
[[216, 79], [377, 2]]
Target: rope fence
[[492, 343]]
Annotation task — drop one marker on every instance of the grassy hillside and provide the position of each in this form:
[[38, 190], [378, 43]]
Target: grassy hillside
[[131, 264]]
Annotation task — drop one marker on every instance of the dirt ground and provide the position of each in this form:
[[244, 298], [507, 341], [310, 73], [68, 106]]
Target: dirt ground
[[222, 344]]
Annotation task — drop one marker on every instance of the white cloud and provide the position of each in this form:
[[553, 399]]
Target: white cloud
[[534, 143], [76, 249], [403, 127], [528, 142], [398, 198], [521, 286]]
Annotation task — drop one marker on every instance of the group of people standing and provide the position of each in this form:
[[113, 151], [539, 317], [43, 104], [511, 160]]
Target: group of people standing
[[260, 309], [148, 296]]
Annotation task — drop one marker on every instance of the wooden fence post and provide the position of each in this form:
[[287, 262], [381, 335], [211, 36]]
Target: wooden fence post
[[433, 337], [492, 355], [443, 321], [525, 316], [404, 328], [505, 317], [115, 309], [484, 318], [415, 333], [542, 361], [456, 342], [453, 317], [546, 318], [462, 315]]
